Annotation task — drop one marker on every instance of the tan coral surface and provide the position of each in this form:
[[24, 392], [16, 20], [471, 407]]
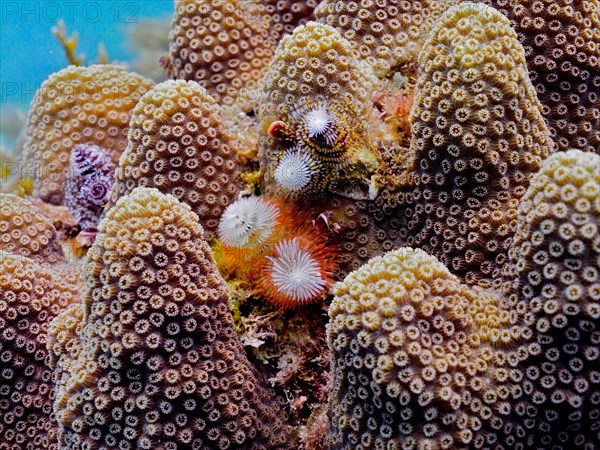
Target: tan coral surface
[[179, 144], [77, 105]]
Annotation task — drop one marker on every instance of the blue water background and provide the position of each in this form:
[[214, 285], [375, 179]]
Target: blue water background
[[29, 52]]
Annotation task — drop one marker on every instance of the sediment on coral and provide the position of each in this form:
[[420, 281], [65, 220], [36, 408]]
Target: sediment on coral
[[562, 48], [160, 365], [313, 116], [77, 105], [179, 145], [422, 360]]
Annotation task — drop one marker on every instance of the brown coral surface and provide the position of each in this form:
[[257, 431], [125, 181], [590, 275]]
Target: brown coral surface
[[225, 45], [25, 231], [160, 365], [477, 137], [562, 48], [30, 296], [555, 268], [385, 33], [286, 15], [423, 361]]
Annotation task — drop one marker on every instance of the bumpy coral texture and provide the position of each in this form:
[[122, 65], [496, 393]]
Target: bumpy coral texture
[[555, 262], [25, 231], [179, 144], [64, 343], [423, 361], [89, 105], [286, 15], [477, 136], [225, 45], [414, 365], [30, 296], [562, 46], [313, 113], [385, 33], [364, 229], [160, 365], [90, 179]]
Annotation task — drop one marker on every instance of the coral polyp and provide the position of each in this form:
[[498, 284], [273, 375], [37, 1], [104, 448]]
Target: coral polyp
[[299, 271]]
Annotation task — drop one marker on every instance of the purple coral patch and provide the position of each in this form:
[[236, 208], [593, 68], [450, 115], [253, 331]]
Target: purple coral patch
[[91, 176]]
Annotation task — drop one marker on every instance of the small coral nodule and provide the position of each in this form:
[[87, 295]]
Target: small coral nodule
[[225, 45], [89, 182], [26, 232], [158, 356], [478, 136], [179, 144]]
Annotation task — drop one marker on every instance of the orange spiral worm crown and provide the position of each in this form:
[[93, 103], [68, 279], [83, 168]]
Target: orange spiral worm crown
[[300, 270]]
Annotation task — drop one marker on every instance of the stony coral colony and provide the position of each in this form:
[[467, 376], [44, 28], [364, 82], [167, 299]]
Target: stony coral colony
[[280, 158]]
